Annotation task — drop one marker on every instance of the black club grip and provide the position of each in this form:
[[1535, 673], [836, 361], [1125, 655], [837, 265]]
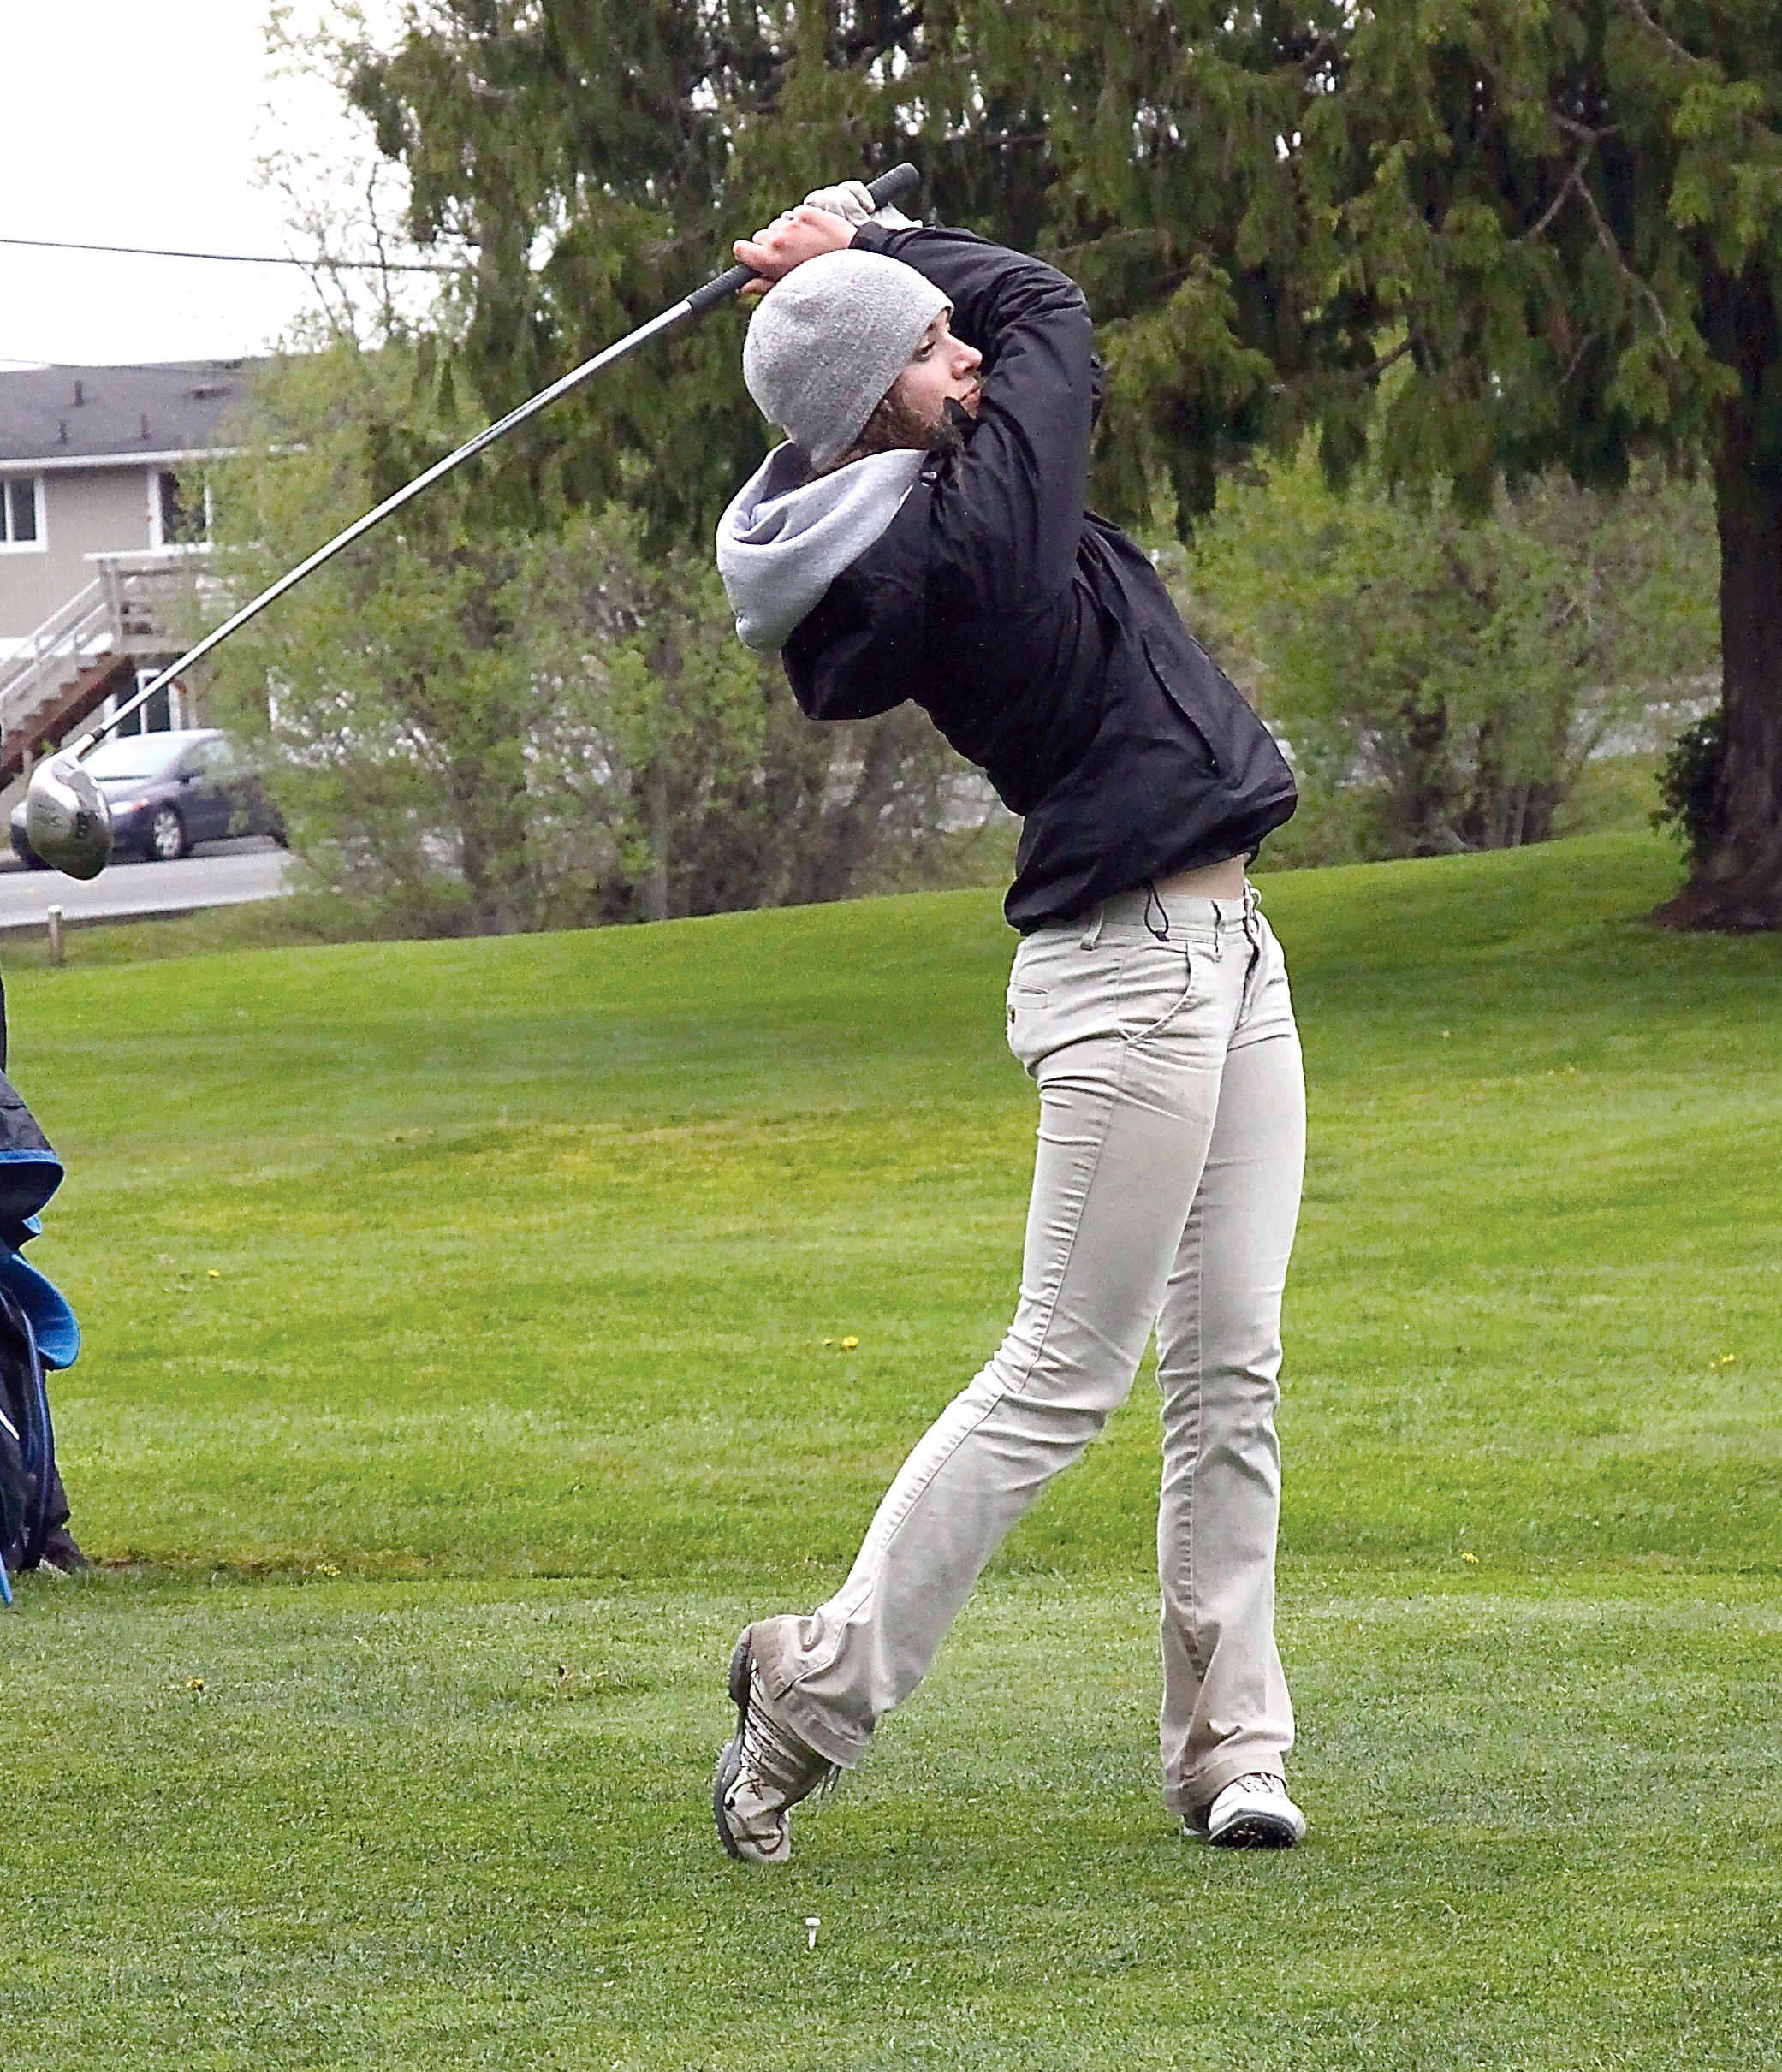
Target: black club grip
[[900, 179]]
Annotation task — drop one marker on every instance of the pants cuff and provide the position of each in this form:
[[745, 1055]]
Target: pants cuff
[[772, 1641], [1192, 1802], [817, 1733]]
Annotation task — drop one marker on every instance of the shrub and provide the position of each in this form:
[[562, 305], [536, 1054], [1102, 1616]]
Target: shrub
[[1689, 782]]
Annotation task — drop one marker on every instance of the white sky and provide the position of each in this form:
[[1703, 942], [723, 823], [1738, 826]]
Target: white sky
[[143, 122]]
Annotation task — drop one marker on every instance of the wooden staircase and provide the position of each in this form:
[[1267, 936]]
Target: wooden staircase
[[89, 650], [73, 699]]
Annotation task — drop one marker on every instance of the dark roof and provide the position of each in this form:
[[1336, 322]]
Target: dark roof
[[87, 413]]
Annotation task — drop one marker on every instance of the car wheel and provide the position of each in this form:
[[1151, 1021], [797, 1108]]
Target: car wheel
[[166, 837]]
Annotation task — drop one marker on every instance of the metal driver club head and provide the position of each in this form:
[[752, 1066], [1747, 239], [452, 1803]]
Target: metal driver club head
[[67, 820]]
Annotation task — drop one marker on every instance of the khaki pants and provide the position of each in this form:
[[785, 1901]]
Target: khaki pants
[[1166, 1190]]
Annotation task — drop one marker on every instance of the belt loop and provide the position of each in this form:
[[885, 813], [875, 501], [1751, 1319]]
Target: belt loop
[[1161, 935], [1092, 933], [1218, 931], [1253, 936]]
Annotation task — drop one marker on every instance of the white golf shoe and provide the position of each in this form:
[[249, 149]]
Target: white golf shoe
[[1255, 1811], [764, 1771]]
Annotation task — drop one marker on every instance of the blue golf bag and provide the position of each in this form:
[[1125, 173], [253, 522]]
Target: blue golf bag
[[37, 1331]]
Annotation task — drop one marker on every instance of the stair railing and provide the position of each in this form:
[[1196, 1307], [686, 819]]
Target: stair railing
[[125, 609], [57, 650]]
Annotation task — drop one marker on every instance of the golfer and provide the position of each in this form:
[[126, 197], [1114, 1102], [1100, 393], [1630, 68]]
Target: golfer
[[921, 535]]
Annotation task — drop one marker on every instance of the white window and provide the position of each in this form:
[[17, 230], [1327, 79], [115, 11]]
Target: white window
[[21, 513]]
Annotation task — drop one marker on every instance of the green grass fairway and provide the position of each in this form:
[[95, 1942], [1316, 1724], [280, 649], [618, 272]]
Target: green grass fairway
[[465, 1362]]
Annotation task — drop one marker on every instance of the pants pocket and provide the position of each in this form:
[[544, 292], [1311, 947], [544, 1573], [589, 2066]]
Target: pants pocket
[[1156, 983], [1026, 1005]]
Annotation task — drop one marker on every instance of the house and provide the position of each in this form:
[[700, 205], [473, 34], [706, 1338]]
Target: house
[[95, 542]]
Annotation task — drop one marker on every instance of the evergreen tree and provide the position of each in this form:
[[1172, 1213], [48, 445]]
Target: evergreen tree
[[599, 159], [1566, 219], [1575, 213]]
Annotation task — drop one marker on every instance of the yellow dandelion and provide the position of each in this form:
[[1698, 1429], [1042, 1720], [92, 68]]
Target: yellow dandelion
[[214, 1274], [1471, 1560], [848, 1344], [195, 1683]]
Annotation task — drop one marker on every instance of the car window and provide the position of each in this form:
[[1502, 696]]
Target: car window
[[210, 759], [135, 756]]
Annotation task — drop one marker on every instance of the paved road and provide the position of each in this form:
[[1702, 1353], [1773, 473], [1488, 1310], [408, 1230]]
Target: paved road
[[217, 874]]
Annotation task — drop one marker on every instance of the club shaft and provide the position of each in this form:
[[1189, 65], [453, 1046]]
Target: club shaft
[[886, 188], [666, 320]]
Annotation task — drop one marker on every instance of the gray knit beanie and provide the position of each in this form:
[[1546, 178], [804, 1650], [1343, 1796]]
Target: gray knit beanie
[[827, 340]]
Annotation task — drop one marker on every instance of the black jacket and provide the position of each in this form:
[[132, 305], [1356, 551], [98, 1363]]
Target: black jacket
[[1038, 637]]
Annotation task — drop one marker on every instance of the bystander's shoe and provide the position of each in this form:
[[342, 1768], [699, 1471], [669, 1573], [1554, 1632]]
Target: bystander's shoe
[[1255, 1811], [764, 1771], [61, 1556]]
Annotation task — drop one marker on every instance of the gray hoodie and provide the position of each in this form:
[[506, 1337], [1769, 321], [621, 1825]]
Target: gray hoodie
[[783, 540]]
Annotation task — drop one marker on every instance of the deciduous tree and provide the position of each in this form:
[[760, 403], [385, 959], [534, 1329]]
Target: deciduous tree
[[1443, 683], [478, 725]]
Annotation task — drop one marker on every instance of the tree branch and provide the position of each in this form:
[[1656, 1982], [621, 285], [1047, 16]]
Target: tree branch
[[1575, 178], [1607, 238], [1573, 366], [1358, 377], [1638, 10], [1054, 254], [1573, 127], [1379, 367]]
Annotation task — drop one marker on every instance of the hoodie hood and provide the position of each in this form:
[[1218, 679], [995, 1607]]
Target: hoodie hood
[[783, 540]]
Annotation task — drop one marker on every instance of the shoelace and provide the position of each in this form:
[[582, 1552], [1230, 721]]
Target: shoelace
[[774, 1755]]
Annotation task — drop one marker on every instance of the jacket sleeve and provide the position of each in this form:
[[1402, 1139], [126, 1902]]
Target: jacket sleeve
[[1010, 514]]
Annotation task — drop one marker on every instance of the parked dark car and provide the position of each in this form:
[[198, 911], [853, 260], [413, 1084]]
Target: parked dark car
[[168, 791]]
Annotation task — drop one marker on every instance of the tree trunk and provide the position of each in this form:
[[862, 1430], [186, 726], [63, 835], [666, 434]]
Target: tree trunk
[[653, 902], [666, 666], [848, 839], [1738, 886]]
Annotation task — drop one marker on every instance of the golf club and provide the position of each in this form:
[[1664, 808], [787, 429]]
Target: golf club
[[67, 820]]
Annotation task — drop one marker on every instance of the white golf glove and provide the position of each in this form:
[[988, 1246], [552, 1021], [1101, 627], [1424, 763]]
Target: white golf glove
[[854, 204]]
